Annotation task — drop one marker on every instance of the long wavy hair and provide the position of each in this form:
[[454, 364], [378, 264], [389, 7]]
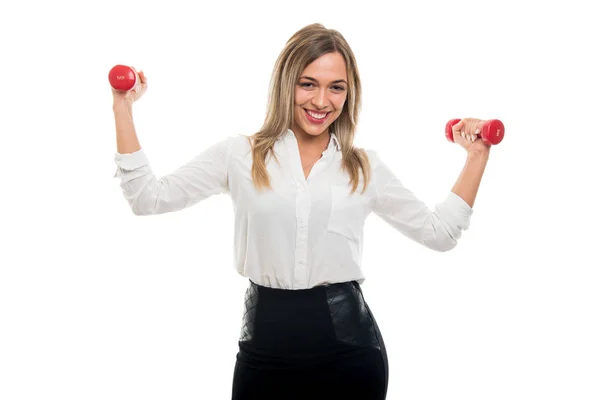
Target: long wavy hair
[[304, 47]]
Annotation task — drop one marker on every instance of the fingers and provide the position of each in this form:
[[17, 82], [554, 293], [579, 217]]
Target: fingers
[[468, 132], [140, 86], [458, 130], [142, 78], [468, 128]]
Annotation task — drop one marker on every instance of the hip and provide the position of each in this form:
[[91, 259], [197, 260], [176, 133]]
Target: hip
[[324, 321], [322, 339]]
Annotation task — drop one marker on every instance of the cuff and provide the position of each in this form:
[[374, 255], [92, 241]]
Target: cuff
[[130, 161], [458, 204]]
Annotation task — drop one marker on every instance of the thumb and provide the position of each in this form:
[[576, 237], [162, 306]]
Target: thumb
[[458, 126]]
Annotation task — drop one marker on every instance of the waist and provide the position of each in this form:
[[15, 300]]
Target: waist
[[297, 271], [306, 321]]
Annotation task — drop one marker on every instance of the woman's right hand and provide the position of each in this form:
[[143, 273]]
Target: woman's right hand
[[134, 94]]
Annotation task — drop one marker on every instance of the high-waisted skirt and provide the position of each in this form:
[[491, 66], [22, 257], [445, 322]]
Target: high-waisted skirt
[[318, 343]]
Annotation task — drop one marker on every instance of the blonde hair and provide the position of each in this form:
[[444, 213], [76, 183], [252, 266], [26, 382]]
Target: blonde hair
[[304, 47]]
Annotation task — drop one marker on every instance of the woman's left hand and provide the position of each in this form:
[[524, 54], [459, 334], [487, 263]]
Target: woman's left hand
[[467, 135]]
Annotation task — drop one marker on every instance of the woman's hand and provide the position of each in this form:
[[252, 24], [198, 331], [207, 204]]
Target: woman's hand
[[134, 94], [466, 134]]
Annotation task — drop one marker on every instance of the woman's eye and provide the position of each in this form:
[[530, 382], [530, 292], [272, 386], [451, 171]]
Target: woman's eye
[[310, 84]]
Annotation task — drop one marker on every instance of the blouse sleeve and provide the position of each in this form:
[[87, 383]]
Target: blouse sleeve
[[201, 177], [438, 229]]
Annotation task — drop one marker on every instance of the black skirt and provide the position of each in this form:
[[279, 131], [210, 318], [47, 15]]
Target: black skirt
[[318, 343]]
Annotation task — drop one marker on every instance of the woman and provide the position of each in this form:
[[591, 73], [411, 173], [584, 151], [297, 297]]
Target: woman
[[302, 192]]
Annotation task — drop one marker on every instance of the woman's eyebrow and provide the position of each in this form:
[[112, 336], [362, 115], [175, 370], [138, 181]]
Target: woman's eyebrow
[[313, 79]]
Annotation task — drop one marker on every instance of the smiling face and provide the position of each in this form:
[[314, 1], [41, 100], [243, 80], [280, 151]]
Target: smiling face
[[320, 95]]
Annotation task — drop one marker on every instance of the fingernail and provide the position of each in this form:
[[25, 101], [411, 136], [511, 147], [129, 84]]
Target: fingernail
[[477, 131], [462, 133]]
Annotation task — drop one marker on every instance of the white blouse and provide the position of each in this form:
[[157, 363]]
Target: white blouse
[[304, 232]]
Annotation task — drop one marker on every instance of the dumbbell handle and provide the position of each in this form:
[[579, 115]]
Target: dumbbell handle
[[491, 133]]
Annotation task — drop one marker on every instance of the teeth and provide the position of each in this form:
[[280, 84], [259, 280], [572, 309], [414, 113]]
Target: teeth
[[317, 116]]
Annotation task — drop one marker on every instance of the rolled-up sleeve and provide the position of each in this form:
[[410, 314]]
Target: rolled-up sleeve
[[203, 176], [438, 228]]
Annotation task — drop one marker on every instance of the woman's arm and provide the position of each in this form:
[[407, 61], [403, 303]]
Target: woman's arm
[[465, 134], [467, 184], [437, 228], [127, 140], [441, 227], [203, 176]]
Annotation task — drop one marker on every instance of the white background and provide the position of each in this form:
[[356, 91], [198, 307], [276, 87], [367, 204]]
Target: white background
[[96, 303]]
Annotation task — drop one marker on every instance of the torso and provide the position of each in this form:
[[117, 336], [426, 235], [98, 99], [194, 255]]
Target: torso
[[308, 162]]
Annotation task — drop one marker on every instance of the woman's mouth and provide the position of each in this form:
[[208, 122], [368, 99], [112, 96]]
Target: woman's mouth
[[316, 117]]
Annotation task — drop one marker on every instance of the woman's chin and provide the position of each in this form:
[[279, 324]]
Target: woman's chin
[[313, 130]]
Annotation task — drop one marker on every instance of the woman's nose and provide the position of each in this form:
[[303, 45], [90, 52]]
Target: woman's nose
[[320, 99]]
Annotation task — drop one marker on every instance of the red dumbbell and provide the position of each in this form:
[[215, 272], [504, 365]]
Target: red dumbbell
[[491, 133], [122, 77]]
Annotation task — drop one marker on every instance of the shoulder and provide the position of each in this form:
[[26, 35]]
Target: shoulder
[[233, 144], [238, 142], [235, 148], [373, 157], [380, 171], [240, 146]]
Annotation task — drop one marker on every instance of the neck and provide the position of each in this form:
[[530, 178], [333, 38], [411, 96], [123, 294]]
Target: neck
[[312, 143]]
